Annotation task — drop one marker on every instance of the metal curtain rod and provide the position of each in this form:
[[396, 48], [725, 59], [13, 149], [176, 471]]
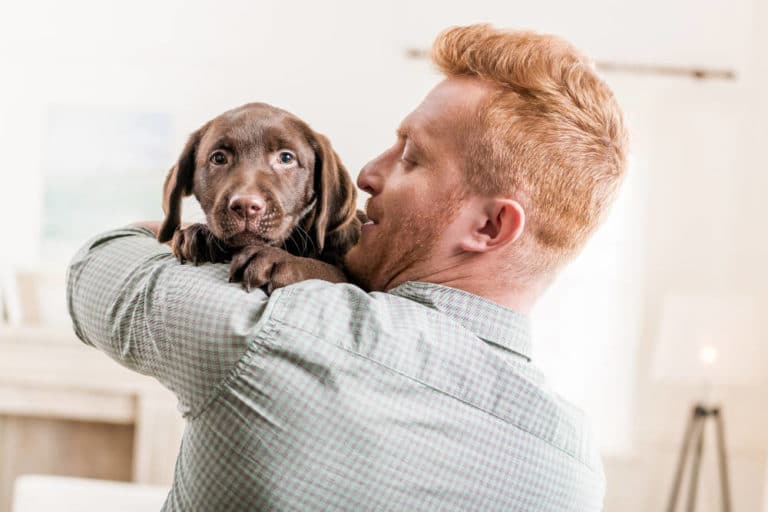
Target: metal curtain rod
[[623, 67], [654, 69]]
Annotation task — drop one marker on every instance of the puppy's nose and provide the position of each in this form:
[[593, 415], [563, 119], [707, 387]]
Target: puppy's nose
[[247, 205]]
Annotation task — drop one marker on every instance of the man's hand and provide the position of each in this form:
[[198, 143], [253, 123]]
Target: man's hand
[[152, 225], [257, 266]]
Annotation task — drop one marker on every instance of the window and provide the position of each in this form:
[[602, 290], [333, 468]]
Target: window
[[102, 168], [586, 328]]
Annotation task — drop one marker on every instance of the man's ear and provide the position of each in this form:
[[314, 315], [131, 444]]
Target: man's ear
[[178, 184], [497, 222], [336, 226]]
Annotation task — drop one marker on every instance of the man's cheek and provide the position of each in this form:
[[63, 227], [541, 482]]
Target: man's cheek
[[402, 208]]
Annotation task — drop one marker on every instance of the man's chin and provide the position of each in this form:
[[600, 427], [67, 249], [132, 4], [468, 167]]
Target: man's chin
[[359, 268]]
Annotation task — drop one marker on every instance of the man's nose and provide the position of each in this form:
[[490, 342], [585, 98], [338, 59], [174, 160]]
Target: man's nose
[[245, 206], [369, 180]]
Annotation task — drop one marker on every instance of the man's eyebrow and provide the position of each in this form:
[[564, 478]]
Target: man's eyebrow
[[405, 132]]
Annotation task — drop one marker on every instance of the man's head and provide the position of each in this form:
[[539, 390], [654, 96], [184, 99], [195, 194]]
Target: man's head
[[501, 173]]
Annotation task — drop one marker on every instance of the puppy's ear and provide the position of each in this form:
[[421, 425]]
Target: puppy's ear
[[336, 225], [178, 184]]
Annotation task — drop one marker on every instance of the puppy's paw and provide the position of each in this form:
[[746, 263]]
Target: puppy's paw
[[255, 266], [264, 266], [197, 244]]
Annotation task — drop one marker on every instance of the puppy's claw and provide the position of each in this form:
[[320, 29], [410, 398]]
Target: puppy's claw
[[196, 244]]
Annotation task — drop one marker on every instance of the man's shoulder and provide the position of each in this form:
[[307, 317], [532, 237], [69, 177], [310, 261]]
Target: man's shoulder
[[328, 302], [345, 315], [432, 349]]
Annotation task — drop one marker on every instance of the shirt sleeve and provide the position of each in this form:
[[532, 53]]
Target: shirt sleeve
[[185, 325]]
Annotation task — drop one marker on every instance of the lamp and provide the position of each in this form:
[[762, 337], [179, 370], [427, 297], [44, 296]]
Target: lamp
[[10, 312], [710, 340]]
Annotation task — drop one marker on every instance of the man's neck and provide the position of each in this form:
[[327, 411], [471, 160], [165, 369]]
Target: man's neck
[[501, 287]]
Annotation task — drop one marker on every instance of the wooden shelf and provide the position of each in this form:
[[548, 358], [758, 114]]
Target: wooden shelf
[[49, 375]]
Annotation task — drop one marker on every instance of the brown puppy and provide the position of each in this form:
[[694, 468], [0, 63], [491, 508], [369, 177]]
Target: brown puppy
[[266, 182]]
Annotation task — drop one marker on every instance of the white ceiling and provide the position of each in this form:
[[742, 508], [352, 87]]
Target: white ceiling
[[715, 33]]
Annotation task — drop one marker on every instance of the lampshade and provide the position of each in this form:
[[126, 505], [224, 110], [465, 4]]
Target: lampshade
[[712, 339]]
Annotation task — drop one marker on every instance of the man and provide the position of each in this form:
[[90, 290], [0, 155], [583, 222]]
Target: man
[[420, 394]]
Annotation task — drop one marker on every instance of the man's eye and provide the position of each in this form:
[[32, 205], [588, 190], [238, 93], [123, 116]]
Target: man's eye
[[218, 158], [286, 157]]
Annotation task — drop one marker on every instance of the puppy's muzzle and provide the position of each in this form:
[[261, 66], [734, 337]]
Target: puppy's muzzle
[[247, 207]]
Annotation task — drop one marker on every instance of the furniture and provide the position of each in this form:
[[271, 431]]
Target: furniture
[[707, 340], [765, 486], [42, 493], [694, 440], [67, 409]]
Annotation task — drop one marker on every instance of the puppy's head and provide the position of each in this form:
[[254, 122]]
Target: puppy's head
[[262, 175]]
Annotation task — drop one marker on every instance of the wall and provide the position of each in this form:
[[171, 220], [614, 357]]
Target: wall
[[703, 146]]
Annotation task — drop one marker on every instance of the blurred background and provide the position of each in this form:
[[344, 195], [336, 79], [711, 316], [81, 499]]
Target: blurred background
[[663, 310]]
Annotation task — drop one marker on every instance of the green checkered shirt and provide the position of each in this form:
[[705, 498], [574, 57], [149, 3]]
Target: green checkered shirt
[[325, 397]]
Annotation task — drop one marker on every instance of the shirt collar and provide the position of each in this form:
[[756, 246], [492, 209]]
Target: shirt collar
[[488, 320]]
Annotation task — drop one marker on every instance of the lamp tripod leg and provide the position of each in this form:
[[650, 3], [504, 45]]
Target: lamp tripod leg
[[699, 438], [723, 458], [681, 462]]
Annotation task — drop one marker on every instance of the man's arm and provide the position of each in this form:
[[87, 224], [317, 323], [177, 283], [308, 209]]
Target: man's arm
[[183, 324]]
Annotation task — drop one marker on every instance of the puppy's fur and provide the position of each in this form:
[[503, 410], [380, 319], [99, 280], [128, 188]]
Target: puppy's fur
[[307, 205]]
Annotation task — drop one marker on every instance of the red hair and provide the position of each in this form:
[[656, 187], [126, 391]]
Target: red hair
[[551, 136]]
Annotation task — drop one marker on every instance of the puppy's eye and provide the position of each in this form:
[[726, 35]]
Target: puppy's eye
[[286, 157], [218, 158]]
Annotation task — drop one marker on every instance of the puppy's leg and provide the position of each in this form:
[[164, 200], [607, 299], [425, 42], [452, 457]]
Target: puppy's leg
[[197, 244], [259, 266]]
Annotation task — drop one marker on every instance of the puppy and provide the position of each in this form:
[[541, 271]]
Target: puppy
[[275, 196]]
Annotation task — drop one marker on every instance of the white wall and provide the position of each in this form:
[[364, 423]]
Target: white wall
[[703, 144], [338, 64]]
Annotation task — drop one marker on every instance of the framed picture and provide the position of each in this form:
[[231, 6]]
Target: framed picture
[[102, 168]]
